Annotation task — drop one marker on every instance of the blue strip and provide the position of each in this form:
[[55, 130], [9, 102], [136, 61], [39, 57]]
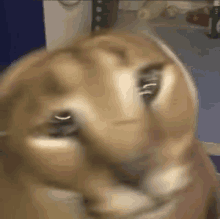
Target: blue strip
[[22, 28]]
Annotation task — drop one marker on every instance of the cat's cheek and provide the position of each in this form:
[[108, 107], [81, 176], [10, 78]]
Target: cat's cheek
[[55, 158]]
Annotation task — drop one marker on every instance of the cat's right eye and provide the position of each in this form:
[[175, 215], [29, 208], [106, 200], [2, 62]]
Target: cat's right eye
[[61, 125], [149, 81]]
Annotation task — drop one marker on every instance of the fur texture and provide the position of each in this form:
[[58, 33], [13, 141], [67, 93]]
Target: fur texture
[[129, 147]]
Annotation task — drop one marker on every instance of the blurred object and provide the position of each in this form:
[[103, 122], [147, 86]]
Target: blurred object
[[183, 6], [186, 6], [216, 160], [212, 148], [104, 14], [172, 11], [151, 10], [64, 23], [214, 21], [206, 10], [199, 17], [131, 5], [69, 3]]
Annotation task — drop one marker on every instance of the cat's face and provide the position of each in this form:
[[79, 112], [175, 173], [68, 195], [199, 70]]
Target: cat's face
[[106, 101]]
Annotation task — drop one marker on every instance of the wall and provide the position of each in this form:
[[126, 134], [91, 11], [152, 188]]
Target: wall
[[62, 24], [183, 5]]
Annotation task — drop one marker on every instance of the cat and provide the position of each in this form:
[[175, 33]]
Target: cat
[[111, 117]]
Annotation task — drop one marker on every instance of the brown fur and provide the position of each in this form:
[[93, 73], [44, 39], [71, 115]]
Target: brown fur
[[146, 155]]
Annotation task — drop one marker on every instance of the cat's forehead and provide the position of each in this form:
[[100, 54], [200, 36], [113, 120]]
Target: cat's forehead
[[89, 56], [93, 58], [128, 50], [90, 67]]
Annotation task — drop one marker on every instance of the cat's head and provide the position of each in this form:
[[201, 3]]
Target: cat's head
[[104, 100]]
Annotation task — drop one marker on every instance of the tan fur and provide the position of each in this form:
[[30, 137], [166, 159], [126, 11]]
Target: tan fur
[[152, 145]]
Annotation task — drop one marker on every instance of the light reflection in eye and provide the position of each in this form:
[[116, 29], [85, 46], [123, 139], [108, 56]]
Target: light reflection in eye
[[151, 84], [62, 118]]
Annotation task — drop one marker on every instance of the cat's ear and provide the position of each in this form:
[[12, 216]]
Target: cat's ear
[[11, 86]]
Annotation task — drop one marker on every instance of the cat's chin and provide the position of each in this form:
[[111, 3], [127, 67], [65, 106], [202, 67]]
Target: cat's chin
[[123, 202]]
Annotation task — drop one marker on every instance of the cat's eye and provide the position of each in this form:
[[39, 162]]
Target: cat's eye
[[61, 124], [149, 81]]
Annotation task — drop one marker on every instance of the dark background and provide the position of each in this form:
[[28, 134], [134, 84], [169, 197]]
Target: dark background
[[21, 28]]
